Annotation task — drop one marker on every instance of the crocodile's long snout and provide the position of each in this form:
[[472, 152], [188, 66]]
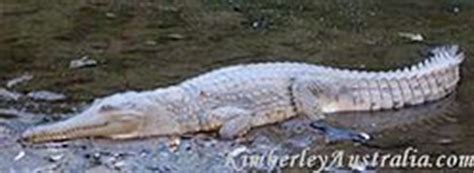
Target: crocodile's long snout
[[97, 125]]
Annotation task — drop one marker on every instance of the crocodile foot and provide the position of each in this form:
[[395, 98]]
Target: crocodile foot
[[335, 134]]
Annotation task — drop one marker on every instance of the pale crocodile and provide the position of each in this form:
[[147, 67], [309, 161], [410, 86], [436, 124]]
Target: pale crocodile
[[235, 99]]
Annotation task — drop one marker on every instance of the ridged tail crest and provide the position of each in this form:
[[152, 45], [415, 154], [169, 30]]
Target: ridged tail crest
[[432, 79]]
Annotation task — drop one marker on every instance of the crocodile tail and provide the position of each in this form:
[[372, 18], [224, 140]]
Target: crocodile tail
[[432, 79]]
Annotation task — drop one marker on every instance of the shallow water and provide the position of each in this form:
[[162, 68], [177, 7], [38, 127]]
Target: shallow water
[[150, 44]]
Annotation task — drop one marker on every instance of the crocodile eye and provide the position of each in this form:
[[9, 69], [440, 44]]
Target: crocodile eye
[[106, 108]]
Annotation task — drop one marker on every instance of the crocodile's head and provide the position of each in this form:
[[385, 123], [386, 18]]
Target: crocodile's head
[[117, 117]]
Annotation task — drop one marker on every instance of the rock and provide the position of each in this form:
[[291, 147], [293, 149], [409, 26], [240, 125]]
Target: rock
[[85, 61], [150, 42], [10, 112], [110, 15], [174, 143], [456, 10], [9, 95], [24, 78], [56, 157], [119, 164], [46, 96]]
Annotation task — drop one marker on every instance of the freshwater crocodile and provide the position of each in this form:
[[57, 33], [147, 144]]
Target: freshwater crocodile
[[235, 99]]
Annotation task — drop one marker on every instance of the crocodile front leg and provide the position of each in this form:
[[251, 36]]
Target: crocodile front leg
[[234, 121]]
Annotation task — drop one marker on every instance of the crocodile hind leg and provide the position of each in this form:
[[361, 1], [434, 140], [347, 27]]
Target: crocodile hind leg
[[235, 121], [306, 93], [310, 94]]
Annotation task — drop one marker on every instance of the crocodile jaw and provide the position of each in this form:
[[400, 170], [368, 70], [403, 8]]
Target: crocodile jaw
[[112, 124]]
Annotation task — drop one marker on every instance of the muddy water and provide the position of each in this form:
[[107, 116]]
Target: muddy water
[[150, 44]]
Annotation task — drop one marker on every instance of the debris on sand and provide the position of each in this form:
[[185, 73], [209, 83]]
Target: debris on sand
[[411, 36], [24, 78], [85, 61], [9, 95], [445, 141], [46, 96], [174, 143], [175, 36]]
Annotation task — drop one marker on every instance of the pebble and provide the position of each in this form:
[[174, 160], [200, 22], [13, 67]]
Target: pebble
[[412, 36], [150, 42], [56, 157], [110, 15], [20, 155], [174, 144], [85, 61], [9, 95], [24, 78], [176, 36], [119, 164], [456, 10]]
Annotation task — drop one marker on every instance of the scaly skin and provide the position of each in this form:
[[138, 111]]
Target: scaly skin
[[235, 99]]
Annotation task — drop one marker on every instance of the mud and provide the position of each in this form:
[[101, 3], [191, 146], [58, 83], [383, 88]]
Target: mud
[[148, 44]]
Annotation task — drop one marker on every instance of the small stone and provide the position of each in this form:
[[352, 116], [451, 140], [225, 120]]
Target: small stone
[[456, 10], [96, 155], [9, 95], [144, 153], [85, 61], [255, 24], [56, 157], [110, 15], [412, 36], [365, 136], [150, 42], [46, 96], [24, 78], [20, 155], [119, 164], [175, 36], [174, 143]]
